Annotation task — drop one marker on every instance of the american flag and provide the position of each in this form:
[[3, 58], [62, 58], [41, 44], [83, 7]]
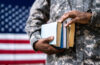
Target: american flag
[[14, 44]]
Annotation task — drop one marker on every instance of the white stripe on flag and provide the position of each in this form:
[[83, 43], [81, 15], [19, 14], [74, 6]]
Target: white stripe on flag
[[15, 46], [14, 36], [4, 57]]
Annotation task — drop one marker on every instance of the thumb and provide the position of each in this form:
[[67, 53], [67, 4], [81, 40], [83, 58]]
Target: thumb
[[49, 39]]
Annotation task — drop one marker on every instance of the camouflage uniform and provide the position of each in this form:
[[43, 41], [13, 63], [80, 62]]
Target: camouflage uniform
[[87, 39]]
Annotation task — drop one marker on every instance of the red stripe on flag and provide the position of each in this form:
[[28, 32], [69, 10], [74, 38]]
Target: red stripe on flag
[[15, 41], [22, 62], [18, 51]]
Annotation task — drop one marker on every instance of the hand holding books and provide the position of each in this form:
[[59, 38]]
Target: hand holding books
[[53, 30], [63, 36], [43, 45], [77, 17]]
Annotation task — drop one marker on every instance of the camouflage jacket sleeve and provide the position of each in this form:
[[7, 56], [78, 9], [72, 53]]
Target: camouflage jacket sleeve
[[95, 19], [39, 14]]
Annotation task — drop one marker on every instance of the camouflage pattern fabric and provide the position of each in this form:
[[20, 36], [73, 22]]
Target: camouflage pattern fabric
[[87, 38]]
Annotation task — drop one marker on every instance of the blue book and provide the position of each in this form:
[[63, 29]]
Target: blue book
[[61, 44]]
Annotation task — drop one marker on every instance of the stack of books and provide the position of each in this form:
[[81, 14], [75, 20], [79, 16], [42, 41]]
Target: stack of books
[[63, 36]]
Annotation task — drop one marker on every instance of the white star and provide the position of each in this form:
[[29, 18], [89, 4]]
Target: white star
[[10, 23], [2, 23], [13, 15], [9, 17], [17, 24], [10, 29], [13, 27], [23, 24], [26, 10], [2, 11], [13, 20], [26, 16], [16, 7], [20, 21], [9, 6], [2, 17], [13, 9], [20, 15], [23, 30], [17, 30], [6, 8], [9, 12], [20, 27], [2, 5], [17, 18], [6, 20], [20, 10], [6, 26], [6, 14], [23, 7], [2, 29], [16, 12], [23, 13], [23, 19]]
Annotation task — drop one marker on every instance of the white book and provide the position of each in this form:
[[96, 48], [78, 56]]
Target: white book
[[48, 30]]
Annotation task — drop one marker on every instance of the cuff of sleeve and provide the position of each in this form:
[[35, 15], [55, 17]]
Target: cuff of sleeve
[[33, 41]]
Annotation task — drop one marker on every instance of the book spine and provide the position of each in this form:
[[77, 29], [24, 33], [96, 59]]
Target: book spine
[[71, 35], [59, 26], [64, 35], [61, 37]]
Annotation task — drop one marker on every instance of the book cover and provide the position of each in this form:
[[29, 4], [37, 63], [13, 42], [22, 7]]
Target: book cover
[[48, 30]]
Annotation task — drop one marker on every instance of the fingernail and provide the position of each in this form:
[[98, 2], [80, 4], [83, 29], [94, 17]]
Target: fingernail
[[59, 20], [51, 37], [66, 25]]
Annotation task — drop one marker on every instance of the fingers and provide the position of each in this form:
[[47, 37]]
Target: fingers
[[43, 45], [77, 17], [70, 14], [72, 21], [64, 17], [48, 49], [52, 50], [49, 39]]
